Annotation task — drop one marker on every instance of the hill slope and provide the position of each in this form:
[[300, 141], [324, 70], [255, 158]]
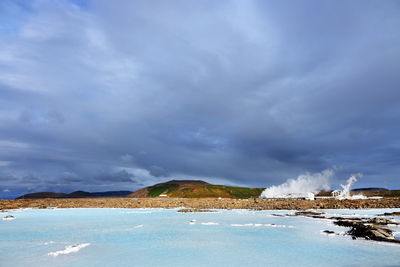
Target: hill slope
[[368, 192], [196, 189], [44, 195], [76, 194]]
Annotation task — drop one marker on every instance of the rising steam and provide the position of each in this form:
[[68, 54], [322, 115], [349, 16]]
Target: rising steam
[[304, 183], [345, 194]]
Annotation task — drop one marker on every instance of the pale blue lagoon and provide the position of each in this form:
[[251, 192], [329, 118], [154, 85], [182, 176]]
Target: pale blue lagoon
[[165, 237]]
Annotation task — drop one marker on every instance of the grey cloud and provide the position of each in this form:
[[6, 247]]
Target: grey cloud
[[157, 171], [118, 177], [240, 92], [127, 158], [68, 177]]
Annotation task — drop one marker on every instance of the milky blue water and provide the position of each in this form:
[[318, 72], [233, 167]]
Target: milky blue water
[[157, 237]]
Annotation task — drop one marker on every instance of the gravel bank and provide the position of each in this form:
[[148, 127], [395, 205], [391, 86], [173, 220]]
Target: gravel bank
[[258, 204]]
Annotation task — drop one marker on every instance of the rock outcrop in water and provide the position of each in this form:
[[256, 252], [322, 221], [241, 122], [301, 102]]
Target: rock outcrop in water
[[8, 218], [391, 214], [371, 229], [368, 230]]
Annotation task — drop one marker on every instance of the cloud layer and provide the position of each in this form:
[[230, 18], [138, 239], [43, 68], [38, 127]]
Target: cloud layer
[[119, 94]]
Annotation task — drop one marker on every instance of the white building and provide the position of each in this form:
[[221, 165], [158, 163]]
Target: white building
[[341, 195], [336, 193]]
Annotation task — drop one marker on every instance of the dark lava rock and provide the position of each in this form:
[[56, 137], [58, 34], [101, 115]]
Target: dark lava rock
[[318, 217], [381, 221], [312, 214], [396, 213], [368, 230], [343, 218], [8, 217], [345, 223]]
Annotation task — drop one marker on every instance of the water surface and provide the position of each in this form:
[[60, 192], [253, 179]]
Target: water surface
[[158, 237]]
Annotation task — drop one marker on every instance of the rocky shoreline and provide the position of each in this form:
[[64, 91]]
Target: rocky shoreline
[[376, 229], [202, 203]]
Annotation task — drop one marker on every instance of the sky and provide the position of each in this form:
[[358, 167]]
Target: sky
[[116, 95]]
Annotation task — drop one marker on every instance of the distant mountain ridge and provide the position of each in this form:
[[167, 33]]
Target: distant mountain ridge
[[376, 191], [195, 189], [122, 193], [370, 189], [75, 194]]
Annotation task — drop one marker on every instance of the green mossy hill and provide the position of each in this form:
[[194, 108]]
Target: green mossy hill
[[196, 189]]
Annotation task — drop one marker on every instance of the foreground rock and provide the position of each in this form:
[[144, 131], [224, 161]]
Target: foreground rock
[[312, 214], [371, 229], [8, 218], [391, 214]]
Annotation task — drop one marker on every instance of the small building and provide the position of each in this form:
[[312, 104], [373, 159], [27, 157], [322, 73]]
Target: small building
[[163, 195], [306, 196], [375, 197], [336, 193]]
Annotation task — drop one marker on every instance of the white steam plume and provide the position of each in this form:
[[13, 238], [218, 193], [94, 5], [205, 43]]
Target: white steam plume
[[345, 194], [304, 183]]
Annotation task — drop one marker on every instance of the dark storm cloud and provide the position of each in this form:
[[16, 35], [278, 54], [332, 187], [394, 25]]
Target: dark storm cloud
[[100, 94], [117, 177]]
